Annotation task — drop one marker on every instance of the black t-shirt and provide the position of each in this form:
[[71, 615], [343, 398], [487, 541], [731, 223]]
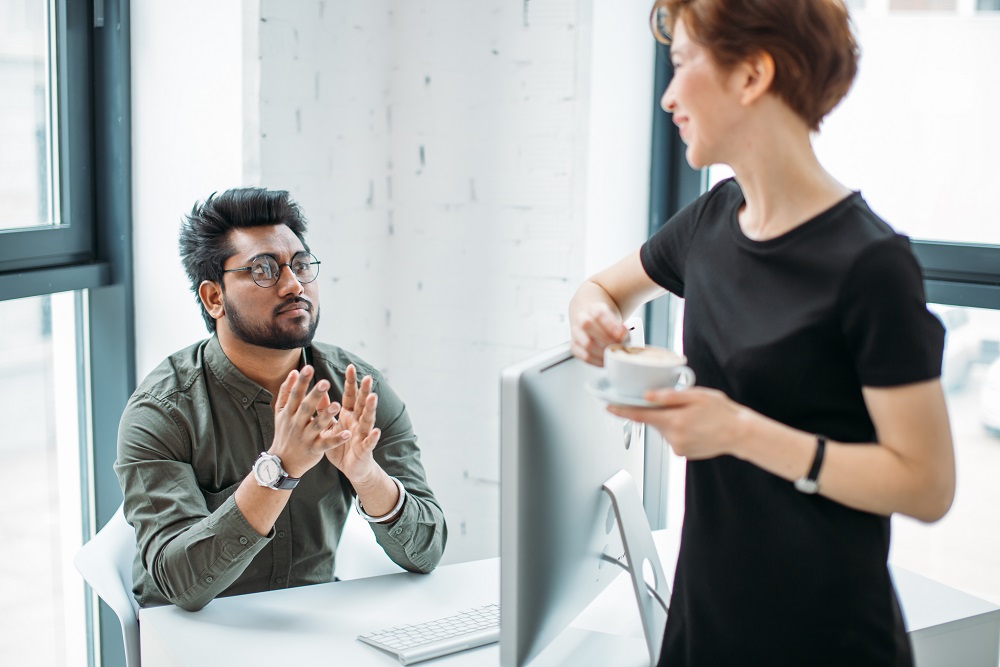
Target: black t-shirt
[[792, 327]]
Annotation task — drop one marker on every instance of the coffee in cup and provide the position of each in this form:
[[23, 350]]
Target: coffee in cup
[[632, 371]]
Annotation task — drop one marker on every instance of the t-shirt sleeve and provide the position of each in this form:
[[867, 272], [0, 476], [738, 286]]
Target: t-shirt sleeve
[[664, 255], [893, 337]]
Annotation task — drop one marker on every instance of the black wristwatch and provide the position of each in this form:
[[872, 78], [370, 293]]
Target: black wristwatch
[[268, 472], [808, 484]]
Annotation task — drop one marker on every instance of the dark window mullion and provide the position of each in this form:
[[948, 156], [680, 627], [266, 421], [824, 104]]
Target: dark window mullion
[[960, 274], [959, 262]]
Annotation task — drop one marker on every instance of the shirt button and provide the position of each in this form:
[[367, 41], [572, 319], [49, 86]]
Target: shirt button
[[209, 579], [243, 540], [281, 534], [279, 580], [245, 399], [397, 531]]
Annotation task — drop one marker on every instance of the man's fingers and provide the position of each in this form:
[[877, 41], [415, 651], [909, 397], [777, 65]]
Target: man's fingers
[[368, 444], [350, 387], [367, 421], [298, 389], [309, 406], [363, 393], [324, 418], [335, 436], [331, 425], [286, 388]]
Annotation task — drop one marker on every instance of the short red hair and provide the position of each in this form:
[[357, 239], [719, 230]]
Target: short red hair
[[811, 42]]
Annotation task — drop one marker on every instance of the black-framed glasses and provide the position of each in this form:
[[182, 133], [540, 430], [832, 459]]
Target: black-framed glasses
[[265, 269]]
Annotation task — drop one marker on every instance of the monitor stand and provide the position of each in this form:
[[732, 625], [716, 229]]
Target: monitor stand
[[652, 593]]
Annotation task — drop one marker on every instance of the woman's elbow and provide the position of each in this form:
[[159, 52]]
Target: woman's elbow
[[934, 499]]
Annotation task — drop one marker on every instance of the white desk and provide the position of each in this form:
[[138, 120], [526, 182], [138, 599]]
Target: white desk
[[319, 624]]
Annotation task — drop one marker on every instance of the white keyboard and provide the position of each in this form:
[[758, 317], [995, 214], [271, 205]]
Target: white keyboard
[[443, 636]]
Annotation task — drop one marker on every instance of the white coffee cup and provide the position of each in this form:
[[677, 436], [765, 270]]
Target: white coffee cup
[[632, 371]]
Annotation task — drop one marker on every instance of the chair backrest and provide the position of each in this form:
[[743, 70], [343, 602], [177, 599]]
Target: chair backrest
[[106, 565], [359, 554]]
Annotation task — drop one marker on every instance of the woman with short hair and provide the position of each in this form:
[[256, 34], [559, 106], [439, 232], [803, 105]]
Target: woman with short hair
[[818, 411]]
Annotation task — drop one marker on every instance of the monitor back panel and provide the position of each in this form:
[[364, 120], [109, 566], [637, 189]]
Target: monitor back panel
[[558, 446]]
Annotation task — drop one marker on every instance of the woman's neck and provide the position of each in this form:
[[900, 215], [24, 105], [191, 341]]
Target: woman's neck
[[782, 181]]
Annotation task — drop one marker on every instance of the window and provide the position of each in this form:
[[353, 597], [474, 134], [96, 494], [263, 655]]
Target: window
[[958, 550], [917, 136], [26, 128], [42, 610], [917, 133], [66, 304], [46, 164], [922, 5]]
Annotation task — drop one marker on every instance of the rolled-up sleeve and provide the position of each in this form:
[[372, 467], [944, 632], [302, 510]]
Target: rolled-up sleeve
[[191, 552], [416, 540]]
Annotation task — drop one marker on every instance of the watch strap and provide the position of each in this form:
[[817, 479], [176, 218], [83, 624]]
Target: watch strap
[[818, 459], [809, 483], [286, 483]]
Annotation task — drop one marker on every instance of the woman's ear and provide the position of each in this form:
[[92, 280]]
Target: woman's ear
[[210, 293], [757, 75]]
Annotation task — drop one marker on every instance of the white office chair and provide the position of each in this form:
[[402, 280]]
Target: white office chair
[[106, 564], [358, 554]]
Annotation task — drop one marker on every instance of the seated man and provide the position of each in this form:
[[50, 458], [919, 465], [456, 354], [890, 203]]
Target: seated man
[[239, 456]]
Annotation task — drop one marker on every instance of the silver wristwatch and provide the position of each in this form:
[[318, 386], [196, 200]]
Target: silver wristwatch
[[268, 472]]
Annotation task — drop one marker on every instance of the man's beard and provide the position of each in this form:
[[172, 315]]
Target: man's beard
[[272, 335]]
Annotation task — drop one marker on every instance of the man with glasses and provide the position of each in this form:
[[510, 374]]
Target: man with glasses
[[240, 456]]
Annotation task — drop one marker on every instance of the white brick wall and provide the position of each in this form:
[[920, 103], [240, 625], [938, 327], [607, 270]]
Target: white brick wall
[[440, 150], [448, 156]]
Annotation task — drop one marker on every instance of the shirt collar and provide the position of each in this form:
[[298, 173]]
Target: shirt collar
[[242, 388]]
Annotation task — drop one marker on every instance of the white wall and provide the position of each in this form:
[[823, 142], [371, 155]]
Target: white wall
[[194, 115], [464, 165]]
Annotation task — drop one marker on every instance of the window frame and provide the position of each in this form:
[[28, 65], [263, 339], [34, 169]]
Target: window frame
[[72, 241], [91, 250]]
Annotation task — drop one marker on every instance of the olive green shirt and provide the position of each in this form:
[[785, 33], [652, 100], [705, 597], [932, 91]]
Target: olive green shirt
[[187, 439]]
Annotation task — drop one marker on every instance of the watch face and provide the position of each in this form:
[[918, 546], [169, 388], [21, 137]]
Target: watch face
[[807, 485], [267, 470]]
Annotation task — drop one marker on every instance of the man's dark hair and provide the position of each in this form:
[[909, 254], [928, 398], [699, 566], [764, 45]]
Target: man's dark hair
[[204, 240]]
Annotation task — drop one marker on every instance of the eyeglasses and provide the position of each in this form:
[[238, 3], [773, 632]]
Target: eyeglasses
[[265, 269]]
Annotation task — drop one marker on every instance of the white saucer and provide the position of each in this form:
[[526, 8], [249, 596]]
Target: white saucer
[[602, 389]]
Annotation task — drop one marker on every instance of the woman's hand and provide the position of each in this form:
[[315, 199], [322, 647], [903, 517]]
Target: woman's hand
[[698, 423], [596, 310], [593, 328], [911, 469]]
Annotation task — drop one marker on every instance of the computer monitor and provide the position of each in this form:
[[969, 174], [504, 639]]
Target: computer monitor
[[559, 531]]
